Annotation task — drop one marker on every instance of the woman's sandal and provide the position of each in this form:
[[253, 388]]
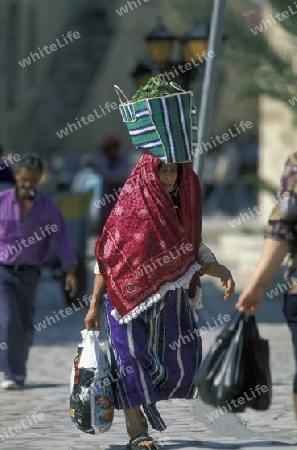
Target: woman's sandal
[[142, 441]]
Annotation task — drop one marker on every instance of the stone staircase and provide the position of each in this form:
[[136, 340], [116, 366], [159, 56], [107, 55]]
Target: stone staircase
[[235, 249], [72, 72], [241, 255]]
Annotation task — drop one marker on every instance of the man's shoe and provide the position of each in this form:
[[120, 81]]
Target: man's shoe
[[10, 384]]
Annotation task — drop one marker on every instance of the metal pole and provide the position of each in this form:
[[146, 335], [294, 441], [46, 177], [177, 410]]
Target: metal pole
[[208, 89]]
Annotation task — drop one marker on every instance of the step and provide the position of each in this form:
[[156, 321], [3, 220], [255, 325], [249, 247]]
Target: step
[[234, 245], [71, 74]]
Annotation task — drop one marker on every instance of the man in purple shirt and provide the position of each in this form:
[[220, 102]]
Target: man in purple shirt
[[28, 222]]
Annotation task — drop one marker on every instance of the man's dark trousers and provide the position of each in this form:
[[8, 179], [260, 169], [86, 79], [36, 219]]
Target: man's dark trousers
[[17, 294]]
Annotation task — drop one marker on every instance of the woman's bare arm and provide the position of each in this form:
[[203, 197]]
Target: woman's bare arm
[[92, 319], [272, 255], [210, 266], [214, 269]]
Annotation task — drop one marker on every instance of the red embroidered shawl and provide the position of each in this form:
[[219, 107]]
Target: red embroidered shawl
[[145, 249]]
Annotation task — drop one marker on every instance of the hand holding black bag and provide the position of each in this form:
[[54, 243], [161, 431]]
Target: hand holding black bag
[[236, 372]]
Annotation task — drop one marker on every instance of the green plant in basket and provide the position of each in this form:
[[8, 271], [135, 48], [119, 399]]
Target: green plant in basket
[[161, 119], [156, 87]]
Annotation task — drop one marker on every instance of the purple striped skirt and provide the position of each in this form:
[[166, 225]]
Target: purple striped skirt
[[155, 356]]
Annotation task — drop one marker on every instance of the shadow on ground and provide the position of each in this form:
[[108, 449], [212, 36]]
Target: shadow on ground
[[188, 445], [270, 309], [44, 385]]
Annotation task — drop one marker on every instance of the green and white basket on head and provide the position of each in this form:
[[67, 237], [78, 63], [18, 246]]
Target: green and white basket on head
[[164, 126]]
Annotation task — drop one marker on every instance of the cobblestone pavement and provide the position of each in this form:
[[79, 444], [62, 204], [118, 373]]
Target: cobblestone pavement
[[37, 417]]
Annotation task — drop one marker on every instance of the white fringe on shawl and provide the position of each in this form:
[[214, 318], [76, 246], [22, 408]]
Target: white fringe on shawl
[[195, 303]]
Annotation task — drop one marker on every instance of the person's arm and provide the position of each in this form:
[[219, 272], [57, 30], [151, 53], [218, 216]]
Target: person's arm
[[219, 271], [71, 283], [211, 267], [272, 255], [62, 238], [281, 238], [66, 253], [92, 319]]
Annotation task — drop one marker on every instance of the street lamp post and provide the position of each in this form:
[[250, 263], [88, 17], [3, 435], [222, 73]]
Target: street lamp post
[[166, 56], [141, 73], [207, 99], [160, 43], [195, 41]]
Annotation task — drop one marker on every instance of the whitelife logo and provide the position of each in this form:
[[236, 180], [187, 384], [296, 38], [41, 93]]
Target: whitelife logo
[[282, 288], [257, 391], [24, 243], [50, 320], [116, 376], [278, 17], [86, 120], [53, 47], [168, 76], [24, 424], [130, 6], [259, 209], [9, 160], [205, 146], [292, 101], [151, 265], [186, 338], [130, 185]]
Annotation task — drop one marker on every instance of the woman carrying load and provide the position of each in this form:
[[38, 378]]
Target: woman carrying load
[[150, 257]]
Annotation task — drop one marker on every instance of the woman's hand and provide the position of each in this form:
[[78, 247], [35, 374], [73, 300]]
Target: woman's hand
[[215, 269], [249, 299], [229, 283], [92, 319]]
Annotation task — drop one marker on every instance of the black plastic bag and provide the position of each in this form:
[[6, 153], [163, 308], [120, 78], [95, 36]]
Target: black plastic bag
[[257, 367], [235, 373]]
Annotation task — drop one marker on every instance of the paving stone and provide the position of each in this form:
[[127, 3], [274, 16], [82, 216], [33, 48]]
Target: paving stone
[[47, 392]]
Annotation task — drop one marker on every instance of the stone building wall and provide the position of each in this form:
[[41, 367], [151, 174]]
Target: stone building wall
[[24, 26], [126, 48], [278, 135]]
